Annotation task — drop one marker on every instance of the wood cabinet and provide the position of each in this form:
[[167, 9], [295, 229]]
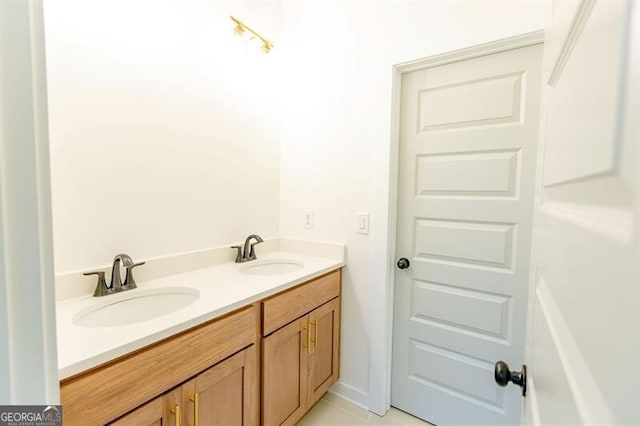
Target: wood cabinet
[[300, 360], [324, 355], [111, 390], [284, 358], [225, 394], [286, 345]]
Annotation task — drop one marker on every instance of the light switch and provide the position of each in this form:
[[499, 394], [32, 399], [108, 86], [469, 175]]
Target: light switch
[[363, 223], [307, 219]]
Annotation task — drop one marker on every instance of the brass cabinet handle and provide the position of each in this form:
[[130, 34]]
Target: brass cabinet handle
[[196, 411], [309, 338], [306, 344], [316, 342], [176, 413]]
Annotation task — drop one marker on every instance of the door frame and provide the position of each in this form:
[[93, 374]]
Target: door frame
[[28, 367], [384, 232]]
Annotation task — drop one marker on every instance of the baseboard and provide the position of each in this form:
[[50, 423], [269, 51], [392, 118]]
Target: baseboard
[[351, 394]]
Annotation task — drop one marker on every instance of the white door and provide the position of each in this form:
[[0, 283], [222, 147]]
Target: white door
[[584, 360], [465, 204]]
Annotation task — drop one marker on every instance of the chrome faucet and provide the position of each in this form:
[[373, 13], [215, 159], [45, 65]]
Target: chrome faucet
[[247, 252], [116, 285], [116, 281]]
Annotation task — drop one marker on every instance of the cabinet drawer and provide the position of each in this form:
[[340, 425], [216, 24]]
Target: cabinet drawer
[[283, 308], [106, 392]]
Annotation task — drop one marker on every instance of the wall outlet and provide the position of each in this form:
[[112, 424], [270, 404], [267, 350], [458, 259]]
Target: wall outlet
[[307, 219], [362, 226]]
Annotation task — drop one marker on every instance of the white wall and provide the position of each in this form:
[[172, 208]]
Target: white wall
[[336, 134], [164, 127]]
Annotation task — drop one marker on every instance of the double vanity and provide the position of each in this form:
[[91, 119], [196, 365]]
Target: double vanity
[[246, 343]]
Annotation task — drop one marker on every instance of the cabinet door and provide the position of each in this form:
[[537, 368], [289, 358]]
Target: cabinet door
[[324, 358], [160, 411], [150, 414], [284, 374], [225, 394], [173, 408]]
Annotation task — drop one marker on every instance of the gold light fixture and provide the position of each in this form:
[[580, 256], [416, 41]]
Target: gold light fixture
[[240, 29]]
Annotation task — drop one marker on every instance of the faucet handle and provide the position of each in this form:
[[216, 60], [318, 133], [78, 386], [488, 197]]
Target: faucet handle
[[238, 253], [102, 289], [129, 281]]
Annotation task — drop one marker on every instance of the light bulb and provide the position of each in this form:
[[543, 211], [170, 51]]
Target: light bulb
[[238, 30]]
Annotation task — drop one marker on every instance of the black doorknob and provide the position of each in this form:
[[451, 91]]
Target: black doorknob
[[503, 376], [403, 263]]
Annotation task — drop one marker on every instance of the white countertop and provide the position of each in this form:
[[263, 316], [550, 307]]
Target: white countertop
[[223, 288]]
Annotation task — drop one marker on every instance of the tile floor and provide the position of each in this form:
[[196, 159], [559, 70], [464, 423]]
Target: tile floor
[[333, 410]]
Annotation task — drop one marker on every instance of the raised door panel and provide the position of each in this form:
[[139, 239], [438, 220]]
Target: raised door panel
[[465, 174], [324, 363], [583, 113], [225, 394], [477, 102], [284, 374]]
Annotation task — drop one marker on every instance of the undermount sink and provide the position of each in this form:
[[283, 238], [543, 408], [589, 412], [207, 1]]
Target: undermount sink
[[136, 306], [272, 267]]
